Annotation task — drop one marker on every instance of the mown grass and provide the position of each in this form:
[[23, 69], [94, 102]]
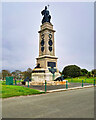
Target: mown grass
[[12, 90], [79, 79]]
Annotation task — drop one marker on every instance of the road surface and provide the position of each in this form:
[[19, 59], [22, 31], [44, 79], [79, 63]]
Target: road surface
[[67, 104]]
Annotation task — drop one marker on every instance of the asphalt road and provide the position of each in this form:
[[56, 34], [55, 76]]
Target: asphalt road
[[67, 104]]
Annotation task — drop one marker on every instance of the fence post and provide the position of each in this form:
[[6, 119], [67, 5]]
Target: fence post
[[94, 82], [28, 83], [82, 83], [45, 86], [66, 84], [15, 82]]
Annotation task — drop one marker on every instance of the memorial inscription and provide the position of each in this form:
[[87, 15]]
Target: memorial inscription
[[51, 64]]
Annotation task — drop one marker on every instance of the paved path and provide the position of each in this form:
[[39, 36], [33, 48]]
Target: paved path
[[54, 87], [66, 104]]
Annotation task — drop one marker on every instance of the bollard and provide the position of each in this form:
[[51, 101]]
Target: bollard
[[15, 82], [94, 82], [45, 86], [28, 83], [82, 83], [66, 84]]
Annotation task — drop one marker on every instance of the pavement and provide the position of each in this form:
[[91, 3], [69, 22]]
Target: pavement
[[72, 88], [63, 104], [56, 87]]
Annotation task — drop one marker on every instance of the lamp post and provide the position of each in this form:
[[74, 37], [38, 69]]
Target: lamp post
[[82, 83]]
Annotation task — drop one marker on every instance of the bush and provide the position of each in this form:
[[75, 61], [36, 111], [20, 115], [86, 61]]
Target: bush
[[94, 72], [71, 71], [83, 72], [88, 74]]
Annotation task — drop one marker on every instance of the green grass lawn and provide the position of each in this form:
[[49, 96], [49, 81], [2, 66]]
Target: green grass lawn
[[79, 79], [12, 90]]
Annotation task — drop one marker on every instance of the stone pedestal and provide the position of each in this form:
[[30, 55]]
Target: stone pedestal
[[43, 74], [47, 58]]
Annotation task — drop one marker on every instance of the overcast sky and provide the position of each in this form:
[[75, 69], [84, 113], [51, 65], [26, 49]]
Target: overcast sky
[[74, 37]]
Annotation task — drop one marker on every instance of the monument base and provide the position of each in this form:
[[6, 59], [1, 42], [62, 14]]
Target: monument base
[[40, 74]]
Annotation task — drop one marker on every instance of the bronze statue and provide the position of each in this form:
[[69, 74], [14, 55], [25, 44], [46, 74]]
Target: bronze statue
[[46, 17]]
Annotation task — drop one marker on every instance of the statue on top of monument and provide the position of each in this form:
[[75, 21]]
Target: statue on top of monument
[[46, 17]]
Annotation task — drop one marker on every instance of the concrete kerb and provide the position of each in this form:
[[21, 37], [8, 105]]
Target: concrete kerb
[[74, 88]]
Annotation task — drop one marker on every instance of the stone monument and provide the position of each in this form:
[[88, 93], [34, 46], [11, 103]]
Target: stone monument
[[46, 61]]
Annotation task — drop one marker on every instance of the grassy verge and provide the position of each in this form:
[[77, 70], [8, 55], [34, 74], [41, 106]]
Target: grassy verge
[[11, 90], [79, 80]]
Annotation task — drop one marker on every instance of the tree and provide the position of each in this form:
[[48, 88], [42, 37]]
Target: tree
[[84, 72], [71, 71], [88, 74], [27, 73], [29, 70], [16, 74], [5, 73], [0, 75], [94, 72]]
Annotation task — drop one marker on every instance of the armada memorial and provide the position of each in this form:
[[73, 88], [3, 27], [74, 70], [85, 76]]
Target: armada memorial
[[46, 62]]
